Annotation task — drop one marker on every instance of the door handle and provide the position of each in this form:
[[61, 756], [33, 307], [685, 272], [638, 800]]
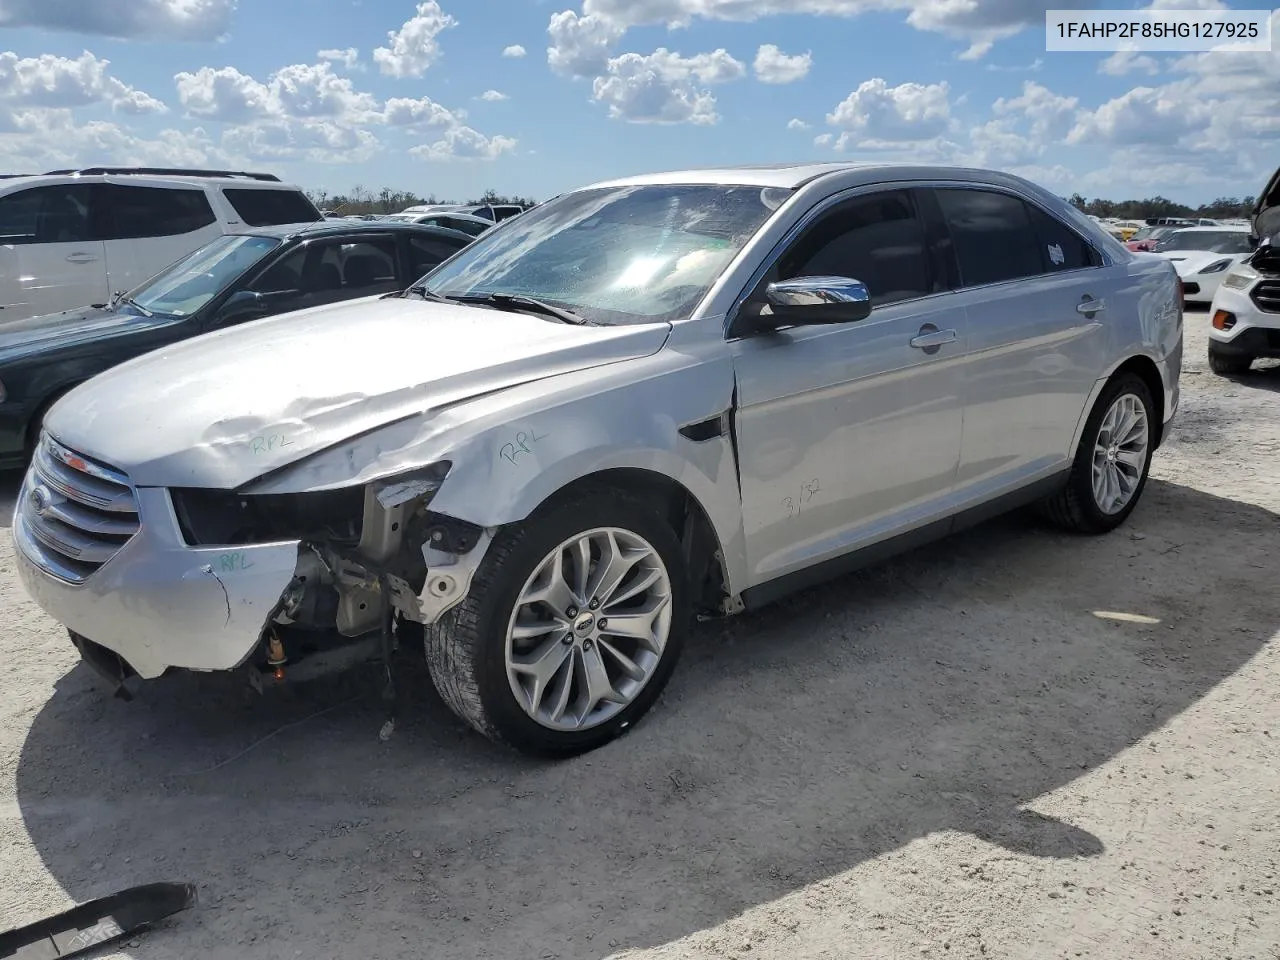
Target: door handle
[[81, 258], [934, 338], [1089, 305]]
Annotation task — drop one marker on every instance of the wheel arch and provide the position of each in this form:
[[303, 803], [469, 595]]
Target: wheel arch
[[683, 511], [1147, 370]]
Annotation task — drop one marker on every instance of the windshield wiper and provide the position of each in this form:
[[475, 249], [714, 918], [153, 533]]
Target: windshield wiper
[[122, 298], [518, 301], [421, 290]]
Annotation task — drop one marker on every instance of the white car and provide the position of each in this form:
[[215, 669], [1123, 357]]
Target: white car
[[1203, 256], [70, 238]]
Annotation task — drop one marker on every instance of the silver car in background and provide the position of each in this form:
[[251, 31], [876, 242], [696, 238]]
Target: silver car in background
[[641, 402]]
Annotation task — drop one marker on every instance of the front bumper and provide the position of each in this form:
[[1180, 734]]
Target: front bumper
[[159, 603], [1255, 332]]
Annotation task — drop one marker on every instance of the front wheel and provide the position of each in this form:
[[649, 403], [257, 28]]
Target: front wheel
[[571, 629], [1111, 464]]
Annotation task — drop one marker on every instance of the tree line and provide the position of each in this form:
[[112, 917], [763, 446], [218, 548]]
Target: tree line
[[1224, 208], [360, 200]]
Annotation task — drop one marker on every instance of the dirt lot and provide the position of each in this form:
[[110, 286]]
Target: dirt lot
[[951, 755]]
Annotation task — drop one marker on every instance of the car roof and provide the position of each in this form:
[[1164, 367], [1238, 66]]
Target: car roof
[[795, 175], [1219, 228], [333, 228], [145, 180]]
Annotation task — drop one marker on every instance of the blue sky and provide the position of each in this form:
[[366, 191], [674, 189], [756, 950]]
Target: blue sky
[[431, 97]]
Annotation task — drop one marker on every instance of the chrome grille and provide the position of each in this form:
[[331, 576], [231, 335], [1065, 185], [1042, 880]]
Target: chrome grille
[[77, 511]]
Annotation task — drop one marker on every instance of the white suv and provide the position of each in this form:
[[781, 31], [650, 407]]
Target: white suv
[[71, 237], [1244, 320]]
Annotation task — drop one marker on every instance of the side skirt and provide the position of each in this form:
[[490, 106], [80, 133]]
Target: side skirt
[[771, 591]]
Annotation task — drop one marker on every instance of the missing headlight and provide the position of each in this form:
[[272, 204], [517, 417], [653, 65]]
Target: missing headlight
[[226, 518]]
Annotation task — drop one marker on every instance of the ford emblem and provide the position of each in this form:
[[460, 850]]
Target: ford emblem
[[42, 499]]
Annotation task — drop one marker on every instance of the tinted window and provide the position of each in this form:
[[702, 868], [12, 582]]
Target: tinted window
[[992, 236], [469, 227], [328, 271], [426, 253], [265, 208], [1061, 248], [154, 211], [878, 240], [54, 214]]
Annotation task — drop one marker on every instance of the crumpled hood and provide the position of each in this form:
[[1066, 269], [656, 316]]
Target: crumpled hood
[[1264, 219], [22, 338], [225, 408]]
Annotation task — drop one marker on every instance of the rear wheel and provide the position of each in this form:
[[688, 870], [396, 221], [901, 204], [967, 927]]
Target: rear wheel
[[1227, 364], [1112, 461], [571, 629]]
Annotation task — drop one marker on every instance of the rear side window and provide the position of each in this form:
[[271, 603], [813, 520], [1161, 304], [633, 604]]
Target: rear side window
[[877, 239], [135, 212], [53, 214], [268, 208], [426, 253], [469, 227], [1061, 248], [992, 236]]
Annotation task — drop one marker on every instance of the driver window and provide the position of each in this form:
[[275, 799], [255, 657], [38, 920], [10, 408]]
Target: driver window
[[877, 239], [320, 273]]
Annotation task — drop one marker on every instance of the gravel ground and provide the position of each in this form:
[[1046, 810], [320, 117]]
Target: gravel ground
[[949, 755]]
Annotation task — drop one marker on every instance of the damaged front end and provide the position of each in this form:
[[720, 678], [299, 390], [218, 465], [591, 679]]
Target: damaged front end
[[370, 559]]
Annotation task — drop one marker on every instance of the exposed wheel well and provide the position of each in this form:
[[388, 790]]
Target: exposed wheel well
[[1146, 368], [681, 510]]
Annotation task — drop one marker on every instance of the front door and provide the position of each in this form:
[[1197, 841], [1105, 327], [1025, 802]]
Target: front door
[[850, 433]]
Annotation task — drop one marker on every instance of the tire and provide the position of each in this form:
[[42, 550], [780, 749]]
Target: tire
[[1226, 364], [1076, 506], [468, 651]]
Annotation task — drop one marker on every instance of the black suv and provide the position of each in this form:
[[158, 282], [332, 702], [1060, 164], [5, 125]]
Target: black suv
[[235, 278]]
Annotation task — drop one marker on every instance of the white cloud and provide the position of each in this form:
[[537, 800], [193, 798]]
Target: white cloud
[[663, 86], [580, 45], [773, 66], [877, 114], [129, 19], [514, 51], [44, 139], [1123, 62], [1050, 116], [823, 139], [422, 112], [51, 81], [1144, 115], [979, 24], [288, 138], [795, 123], [493, 96], [413, 48], [349, 57], [303, 90], [464, 143], [223, 94]]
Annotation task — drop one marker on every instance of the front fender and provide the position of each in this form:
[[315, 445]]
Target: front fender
[[513, 449]]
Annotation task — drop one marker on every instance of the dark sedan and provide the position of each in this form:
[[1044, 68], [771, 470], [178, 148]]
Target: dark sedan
[[234, 279]]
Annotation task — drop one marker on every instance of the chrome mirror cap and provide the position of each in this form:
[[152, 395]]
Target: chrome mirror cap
[[804, 300]]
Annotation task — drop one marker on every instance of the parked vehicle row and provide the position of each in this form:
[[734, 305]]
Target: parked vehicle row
[[72, 237], [238, 277], [667, 396], [1244, 323]]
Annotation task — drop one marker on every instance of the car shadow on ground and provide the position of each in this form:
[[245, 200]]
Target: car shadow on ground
[[945, 691]]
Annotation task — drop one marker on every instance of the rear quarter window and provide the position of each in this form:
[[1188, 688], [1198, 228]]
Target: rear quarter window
[[268, 208], [1061, 248]]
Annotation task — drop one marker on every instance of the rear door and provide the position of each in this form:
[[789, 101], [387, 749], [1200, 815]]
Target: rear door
[[149, 228], [49, 257], [1035, 294]]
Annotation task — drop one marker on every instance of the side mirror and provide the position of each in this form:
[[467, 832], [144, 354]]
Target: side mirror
[[240, 306], [815, 300]]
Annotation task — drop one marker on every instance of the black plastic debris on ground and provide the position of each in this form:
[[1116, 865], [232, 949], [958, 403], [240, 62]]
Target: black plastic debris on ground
[[89, 925]]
